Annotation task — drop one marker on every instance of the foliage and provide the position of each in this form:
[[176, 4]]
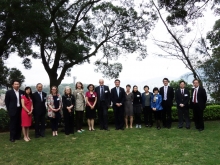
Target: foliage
[[175, 85], [4, 120]]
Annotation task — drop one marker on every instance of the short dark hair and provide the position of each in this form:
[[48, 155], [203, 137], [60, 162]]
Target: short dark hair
[[182, 81], [39, 84], [90, 85], [128, 85], [146, 87], [165, 79], [80, 84], [155, 89], [196, 80], [13, 81], [117, 80]]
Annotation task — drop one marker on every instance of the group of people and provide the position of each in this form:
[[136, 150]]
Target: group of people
[[126, 104]]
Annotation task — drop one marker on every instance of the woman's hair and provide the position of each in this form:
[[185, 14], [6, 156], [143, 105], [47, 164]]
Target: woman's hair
[[67, 87], [155, 89], [25, 93], [134, 87], [128, 85], [80, 84], [52, 88], [90, 86], [146, 87]]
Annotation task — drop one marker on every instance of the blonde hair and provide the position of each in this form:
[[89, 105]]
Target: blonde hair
[[67, 87]]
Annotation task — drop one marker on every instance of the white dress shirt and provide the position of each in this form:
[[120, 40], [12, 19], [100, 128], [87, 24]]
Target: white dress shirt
[[17, 95], [165, 92]]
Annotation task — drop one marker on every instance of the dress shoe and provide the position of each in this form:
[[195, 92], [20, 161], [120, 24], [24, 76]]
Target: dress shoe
[[37, 136], [12, 140], [159, 128], [42, 135], [116, 129], [187, 127], [180, 127], [201, 129], [169, 127]]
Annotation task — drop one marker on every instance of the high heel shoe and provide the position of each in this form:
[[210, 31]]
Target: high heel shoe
[[25, 139]]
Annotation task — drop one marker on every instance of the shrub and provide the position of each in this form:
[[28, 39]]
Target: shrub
[[4, 120]]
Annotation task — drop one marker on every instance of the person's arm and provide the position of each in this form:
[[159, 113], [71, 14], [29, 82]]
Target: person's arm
[[123, 96], [159, 101], [7, 99], [95, 101], [140, 98], [187, 99], [87, 101], [172, 93], [60, 102], [64, 102], [24, 107], [49, 104], [176, 98]]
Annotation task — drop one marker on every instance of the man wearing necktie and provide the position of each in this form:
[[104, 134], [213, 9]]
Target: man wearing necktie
[[182, 97], [103, 103], [118, 99], [167, 95], [39, 111], [198, 103]]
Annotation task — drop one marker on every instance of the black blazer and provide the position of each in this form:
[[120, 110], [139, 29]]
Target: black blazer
[[182, 99], [114, 96], [11, 101], [68, 101], [201, 98], [38, 104], [106, 96], [170, 94]]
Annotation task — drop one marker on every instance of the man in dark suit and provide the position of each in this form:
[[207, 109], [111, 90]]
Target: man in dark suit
[[198, 103], [103, 103], [118, 99], [39, 111], [13, 105], [182, 97], [167, 95]]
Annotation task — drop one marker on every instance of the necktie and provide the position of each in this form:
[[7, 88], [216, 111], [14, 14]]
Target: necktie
[[102, 93], [182, 92], [40, 95], [195, 95]]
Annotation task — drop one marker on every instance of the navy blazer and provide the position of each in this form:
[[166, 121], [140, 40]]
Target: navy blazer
[[182, 99], [11, 101], [201, 98], [143, 96], [114, 96], [38, 104], [106, 96], [170, 94], [158, 102]]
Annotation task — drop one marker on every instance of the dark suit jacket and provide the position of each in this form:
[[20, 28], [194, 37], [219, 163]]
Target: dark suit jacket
[[11, 101], [182, 99], [201, 98], [114, 96], [38, 104], [106, 96], [170, 95]]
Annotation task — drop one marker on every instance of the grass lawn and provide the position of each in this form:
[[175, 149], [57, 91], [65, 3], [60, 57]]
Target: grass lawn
[[129, 147]]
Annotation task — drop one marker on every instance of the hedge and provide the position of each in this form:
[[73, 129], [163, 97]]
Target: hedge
[[212, 112]]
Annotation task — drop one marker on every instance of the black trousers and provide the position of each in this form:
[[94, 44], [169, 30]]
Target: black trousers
[[39, 125], [103, 115], [15, 125], [55, 121], [183, 113], [198, 116], [148, 115], [69, 122], [119, 116], [158, 117], [166, 114], [79, 119]]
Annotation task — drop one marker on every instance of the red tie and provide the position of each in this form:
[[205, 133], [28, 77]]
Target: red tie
[[195, 94]]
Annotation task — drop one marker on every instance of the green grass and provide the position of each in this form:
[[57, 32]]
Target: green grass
[[130, 147]]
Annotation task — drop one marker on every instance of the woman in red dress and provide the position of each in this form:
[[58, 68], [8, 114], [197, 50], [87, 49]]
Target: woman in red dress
[[91, 99], [26, 113]]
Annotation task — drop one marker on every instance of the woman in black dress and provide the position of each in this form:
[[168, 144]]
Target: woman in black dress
[[68, 110], [137, 104]]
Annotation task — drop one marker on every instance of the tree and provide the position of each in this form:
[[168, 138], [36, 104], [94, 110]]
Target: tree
[[211, 66], [9, 74], [74, 31], [175, 85], [181, 15]]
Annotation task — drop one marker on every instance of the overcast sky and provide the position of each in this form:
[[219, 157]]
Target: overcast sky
[[149, 71]]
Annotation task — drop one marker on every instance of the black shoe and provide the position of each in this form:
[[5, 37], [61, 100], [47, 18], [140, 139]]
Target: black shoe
[[42, 135], [150, 126], [159, 128], [12, 140], [201, 129], [116, 129], [187, 127], [146, 125], [180, 127], [169, 127], [37, 136]]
